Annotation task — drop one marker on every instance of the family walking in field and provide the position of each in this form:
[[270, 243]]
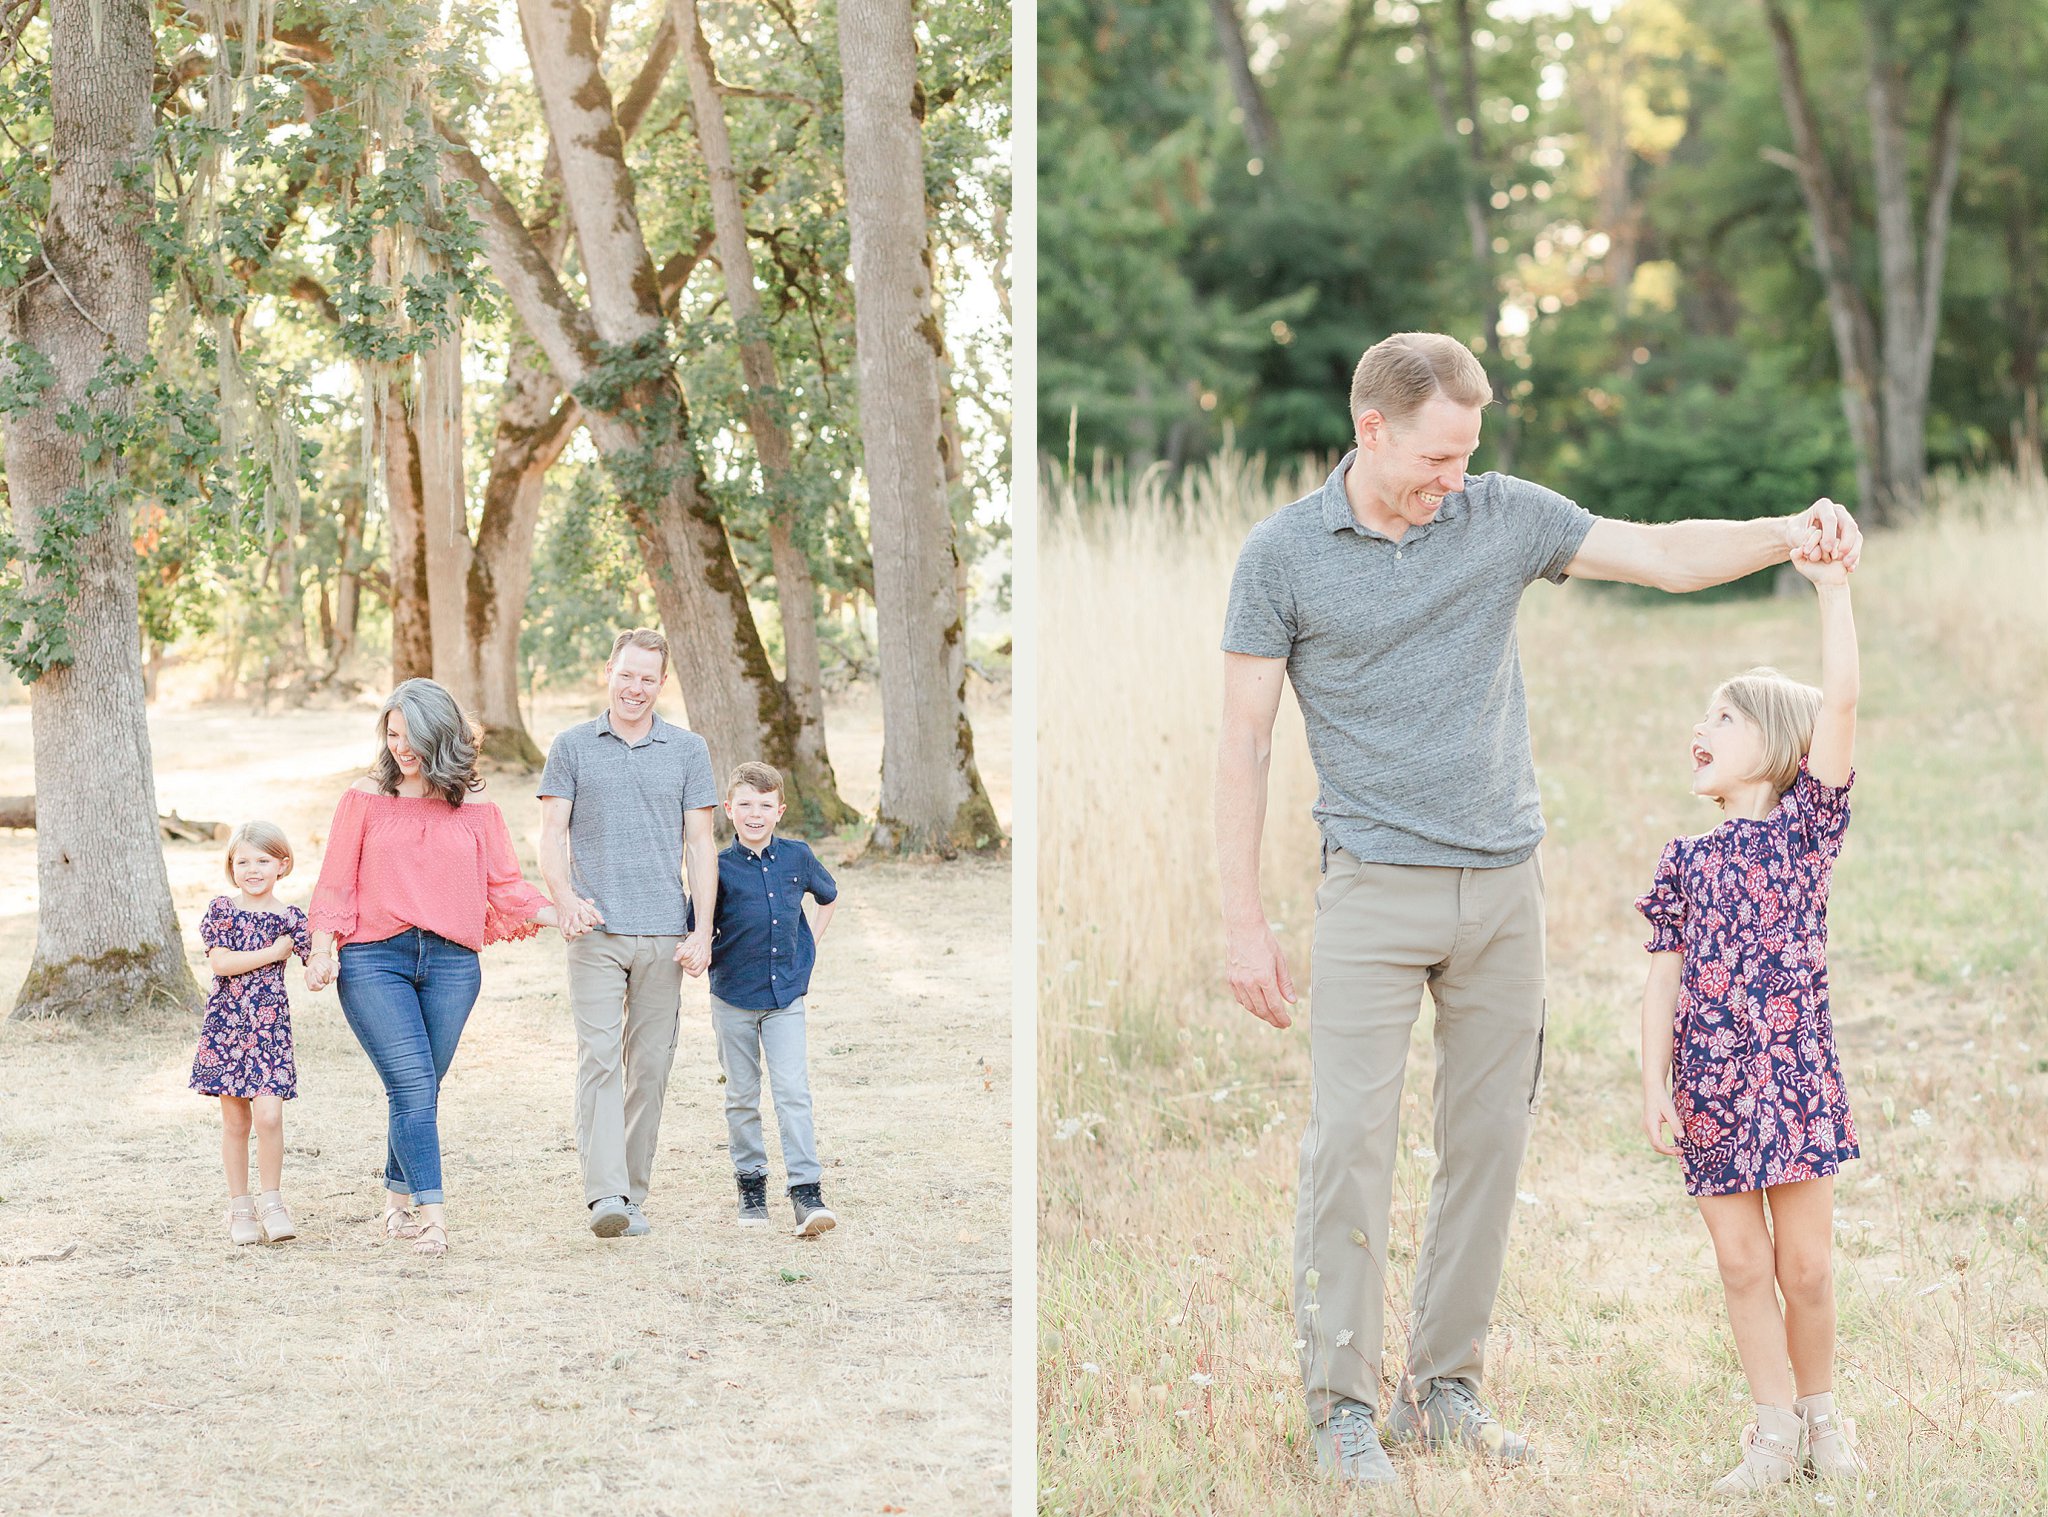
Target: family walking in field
[[420, 875], [1388, 599]]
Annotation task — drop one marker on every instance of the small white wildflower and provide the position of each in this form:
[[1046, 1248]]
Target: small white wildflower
[[1091, 1369], [2014, 1398], [1065, 1129], [1186, 1411], [2012, 1089], [1823, 1500], [1969, 1045], [1344, 1338], [2026, 1048], [1423, 1151], [1654, 1269], [1912, 1046], [1921, 1117], [1928, 1290], [1299, 1345], [1175, 1320], [1198, 1378]]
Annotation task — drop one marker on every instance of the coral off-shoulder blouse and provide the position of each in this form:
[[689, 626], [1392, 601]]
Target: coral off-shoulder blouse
[[399, 861]]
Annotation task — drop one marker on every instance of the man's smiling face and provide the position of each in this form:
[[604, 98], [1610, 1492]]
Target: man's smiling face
[[1414, 463]]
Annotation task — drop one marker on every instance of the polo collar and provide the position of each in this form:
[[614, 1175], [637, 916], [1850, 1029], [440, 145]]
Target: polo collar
[[1337, 515], [655, 733]]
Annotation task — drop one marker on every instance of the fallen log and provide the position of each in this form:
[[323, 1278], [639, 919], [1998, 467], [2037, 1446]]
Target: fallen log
[[19, 811]]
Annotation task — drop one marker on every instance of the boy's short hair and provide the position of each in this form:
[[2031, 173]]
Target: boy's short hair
[[755, 775], [1785, 710], [264, 837], [640, 637]]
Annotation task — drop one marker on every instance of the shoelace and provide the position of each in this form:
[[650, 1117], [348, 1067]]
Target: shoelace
[[1351, 1430], [1468, 1405]]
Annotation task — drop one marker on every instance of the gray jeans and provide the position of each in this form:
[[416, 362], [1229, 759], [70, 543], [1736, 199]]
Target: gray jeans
[[747, 1040]]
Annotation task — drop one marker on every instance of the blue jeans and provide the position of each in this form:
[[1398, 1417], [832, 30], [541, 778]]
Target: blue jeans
[[406, 999]]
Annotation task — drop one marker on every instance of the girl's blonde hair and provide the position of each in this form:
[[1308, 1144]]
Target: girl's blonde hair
[[1784, 710], [264, 837]]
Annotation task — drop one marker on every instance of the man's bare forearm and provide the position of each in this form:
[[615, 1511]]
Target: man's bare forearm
[[1697, 554], [1242, 765]]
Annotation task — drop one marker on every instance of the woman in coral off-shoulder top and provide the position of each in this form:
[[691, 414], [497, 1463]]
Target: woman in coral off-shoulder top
[[419, 876]]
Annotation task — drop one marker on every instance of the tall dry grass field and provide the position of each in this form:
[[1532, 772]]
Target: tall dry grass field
[[1170, 1120]]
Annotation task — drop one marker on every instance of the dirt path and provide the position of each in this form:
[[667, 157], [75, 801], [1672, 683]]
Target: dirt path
[[702, 1369]]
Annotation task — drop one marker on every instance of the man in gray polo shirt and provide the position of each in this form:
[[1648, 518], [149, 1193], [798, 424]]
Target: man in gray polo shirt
[[624, 800], [1388, 600]]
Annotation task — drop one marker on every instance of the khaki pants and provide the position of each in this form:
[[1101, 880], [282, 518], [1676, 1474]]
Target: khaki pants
[[626, 993], [1474, 937]]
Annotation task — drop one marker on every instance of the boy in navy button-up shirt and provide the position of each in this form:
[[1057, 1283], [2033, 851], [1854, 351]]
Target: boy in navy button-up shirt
[[762, 951]]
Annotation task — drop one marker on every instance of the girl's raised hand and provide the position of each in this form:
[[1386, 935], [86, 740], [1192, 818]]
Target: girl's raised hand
[[1658, 1114], [1823, 571]]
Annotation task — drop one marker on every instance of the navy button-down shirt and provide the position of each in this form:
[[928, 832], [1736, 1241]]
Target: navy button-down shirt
[[761, 944]]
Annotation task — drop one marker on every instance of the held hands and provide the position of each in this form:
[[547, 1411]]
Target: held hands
[[1824, 535], [694, 953], [1257, 972], [1658, 1114], [321, 970], [578, 917]]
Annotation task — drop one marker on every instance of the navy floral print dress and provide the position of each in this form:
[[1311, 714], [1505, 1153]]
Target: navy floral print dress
[[245, 1043], [1755, 1080]]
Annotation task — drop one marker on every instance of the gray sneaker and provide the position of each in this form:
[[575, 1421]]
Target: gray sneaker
[[609, 1217], [637, 1225], [1348, 1448], [1451, 1416]]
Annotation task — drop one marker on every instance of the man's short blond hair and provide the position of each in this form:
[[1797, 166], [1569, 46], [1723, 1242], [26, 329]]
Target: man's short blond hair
[[1398, 376], [640, 637], [764, 779], [1784, 710], [264, 837]]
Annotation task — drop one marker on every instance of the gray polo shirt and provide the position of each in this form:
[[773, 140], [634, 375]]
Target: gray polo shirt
[[626, 806], [1404, 662]]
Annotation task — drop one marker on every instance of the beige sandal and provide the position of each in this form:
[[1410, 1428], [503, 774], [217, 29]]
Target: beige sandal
[[431, 1248], [242, 1224], [275, 1217], [399, 1222]]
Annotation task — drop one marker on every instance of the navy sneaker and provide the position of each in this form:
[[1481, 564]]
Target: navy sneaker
[[753, 1200], [812, 1217]]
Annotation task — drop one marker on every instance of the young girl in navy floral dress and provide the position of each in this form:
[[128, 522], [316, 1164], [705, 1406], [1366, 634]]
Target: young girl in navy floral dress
[[245, 1043], [1739, 1064]]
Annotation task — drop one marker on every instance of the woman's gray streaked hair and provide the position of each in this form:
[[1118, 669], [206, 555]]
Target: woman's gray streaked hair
[[444, 739]]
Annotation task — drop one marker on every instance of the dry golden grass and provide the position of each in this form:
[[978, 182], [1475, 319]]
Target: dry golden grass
[[1170, 1120], [703, 1369]]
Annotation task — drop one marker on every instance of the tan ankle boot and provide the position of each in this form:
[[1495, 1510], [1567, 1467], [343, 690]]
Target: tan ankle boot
[[1830, 1453], [275, 1218], [242, 1224], [1771, 1450]]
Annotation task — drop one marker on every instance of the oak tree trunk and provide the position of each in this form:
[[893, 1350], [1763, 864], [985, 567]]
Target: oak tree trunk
[[641, 425], [444, 518], [107, 938], [412, 635], [795, 592], [932, 796]]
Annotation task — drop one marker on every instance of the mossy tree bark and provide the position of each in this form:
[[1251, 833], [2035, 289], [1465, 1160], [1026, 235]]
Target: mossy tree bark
[[932, 796], [642, 427], [795, 591], [107, 940]]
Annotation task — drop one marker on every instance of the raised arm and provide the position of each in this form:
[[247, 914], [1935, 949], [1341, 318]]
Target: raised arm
[[1691, 555], [1833, 751], [1660, 1009], [1252, 958]]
